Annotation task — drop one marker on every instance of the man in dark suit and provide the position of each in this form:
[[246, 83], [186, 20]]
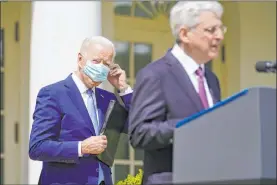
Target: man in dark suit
[[69, 115], [176, 85]]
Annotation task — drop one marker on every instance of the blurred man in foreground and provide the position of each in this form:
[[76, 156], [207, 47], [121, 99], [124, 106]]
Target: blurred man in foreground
[[176, 86], [69, 115]]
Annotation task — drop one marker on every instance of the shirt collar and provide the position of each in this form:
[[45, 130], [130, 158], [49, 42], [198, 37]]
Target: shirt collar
[[80, 85], [187, 62]]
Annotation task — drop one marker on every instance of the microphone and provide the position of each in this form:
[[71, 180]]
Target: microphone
[[266, 67], [107, 116]]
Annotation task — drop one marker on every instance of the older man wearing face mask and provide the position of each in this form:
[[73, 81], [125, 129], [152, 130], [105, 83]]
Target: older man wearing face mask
[[176, 86], [69, 114]]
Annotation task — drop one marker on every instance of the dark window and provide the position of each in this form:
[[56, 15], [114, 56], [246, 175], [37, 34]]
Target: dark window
[[122, 8], [121, 172], [2, 171], [122, 151], [1, 47], [123, 55], [2, 135], [2, 90], [143, 55]]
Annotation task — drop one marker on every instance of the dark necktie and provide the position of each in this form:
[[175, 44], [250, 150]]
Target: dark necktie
[[92, 110], [202, 91]]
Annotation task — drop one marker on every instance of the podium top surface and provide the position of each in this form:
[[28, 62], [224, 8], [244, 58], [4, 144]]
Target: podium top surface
[[216, 106]]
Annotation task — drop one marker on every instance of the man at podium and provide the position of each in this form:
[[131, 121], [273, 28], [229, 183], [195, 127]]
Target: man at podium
[[176, 86]]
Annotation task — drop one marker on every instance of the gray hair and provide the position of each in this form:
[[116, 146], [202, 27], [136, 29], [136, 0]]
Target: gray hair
[[96, 40], [186, 13]]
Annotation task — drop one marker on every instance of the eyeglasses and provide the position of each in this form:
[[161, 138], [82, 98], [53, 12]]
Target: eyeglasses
[[214, 29], [211, 31]]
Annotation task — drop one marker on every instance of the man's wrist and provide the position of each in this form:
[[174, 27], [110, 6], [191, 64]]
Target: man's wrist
[[123, 88], [128, 90]]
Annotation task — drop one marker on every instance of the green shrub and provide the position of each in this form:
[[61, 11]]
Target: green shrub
[[132, 180]]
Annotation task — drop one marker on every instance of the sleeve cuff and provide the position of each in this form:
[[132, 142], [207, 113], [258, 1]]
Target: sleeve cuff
[[127, 91], [80, 149]]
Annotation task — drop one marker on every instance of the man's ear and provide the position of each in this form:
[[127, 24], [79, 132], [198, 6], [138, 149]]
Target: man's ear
[[183, 35], [80, 60], [80, 57]]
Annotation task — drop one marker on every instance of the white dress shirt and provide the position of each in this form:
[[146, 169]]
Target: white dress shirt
[[190, 67], [82, 88]]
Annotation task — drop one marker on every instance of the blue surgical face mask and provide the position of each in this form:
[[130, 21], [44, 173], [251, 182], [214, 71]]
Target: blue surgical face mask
[[96, 72]]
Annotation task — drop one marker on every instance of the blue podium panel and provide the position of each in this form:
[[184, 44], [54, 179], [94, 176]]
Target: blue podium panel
[[234, 141]]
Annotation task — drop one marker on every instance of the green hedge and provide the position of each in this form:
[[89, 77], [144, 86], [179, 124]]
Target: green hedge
[[132, 180]]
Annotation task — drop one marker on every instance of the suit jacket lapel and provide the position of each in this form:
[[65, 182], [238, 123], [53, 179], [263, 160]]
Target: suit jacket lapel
[[77, 100], [182, 78], [212, 85]]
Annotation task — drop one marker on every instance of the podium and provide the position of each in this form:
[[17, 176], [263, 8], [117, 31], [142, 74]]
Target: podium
[[234, 142]]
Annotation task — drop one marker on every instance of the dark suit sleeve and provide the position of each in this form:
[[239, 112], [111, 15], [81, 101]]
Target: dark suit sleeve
[[127, 100], [44, 144], [148, 127]]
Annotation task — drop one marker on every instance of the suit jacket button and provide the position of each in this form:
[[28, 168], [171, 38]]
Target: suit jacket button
[[97, 169]]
